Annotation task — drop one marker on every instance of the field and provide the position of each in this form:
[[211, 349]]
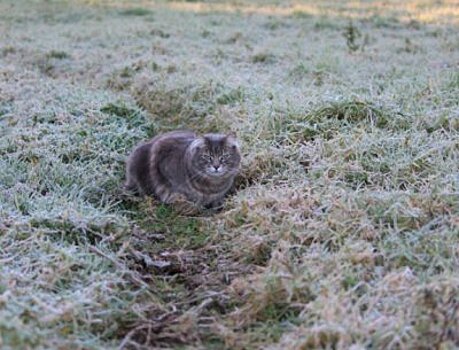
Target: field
[[343, 228]]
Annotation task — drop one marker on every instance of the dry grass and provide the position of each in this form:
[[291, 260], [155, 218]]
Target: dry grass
[[343, 228]]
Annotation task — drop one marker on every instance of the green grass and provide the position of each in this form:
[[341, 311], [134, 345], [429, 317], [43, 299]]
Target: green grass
[[342, 230], [60, 55], [136, 11]]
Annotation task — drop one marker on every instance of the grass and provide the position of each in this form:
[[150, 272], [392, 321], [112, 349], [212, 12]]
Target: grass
[[60, 55], [342, 229], [136, 11]]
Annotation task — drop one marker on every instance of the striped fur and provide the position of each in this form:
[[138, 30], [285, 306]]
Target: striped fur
[[181, 164]]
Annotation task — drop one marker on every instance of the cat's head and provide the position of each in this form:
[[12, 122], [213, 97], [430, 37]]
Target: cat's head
[[216, 155]]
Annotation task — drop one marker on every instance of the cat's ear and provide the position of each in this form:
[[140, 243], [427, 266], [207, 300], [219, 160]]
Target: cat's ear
[[199, 143], [231, 135], [231, 140], [206, 140]]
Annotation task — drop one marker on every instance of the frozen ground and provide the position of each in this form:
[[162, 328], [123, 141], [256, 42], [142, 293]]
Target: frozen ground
[[343, 231]]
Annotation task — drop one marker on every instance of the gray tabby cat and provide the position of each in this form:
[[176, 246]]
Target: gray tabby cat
[[181, 164]]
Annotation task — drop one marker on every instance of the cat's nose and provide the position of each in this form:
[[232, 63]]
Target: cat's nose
[[216, 167]]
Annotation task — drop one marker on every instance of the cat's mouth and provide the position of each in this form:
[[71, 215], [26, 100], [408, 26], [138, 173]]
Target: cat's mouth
[[216, 172]]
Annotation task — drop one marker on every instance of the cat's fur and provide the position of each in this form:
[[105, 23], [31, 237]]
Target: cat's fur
[[181, 164]]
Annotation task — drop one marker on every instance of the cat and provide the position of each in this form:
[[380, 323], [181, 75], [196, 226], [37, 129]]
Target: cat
[[181, 164]]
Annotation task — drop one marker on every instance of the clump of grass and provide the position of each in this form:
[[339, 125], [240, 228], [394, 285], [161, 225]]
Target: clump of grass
[[299, 71], [233, 96], [324, 22], [186, 230], [442, 122], [53, 63], [127, 72], [123, 78], [453, 81], [136, 11], [356, 178], [234, 38], [263, 57], [8, 50], [301, 14], [46, 67], [274, 24], [272, 302], [259, 167], [119, 110], [59, 55], [353, 112], [194, 106], [326, 121], [173, 105], [352, 35], [6, 107], [172, 68], [385, 22], [160, 33], [206, 33], [155, 66], [437, 304], [132, 116], [414, 24], [409, 47]]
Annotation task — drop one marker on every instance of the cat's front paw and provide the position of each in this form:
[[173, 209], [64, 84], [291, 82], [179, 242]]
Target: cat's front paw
[[183, 206], [215, 205], [176, 198]]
